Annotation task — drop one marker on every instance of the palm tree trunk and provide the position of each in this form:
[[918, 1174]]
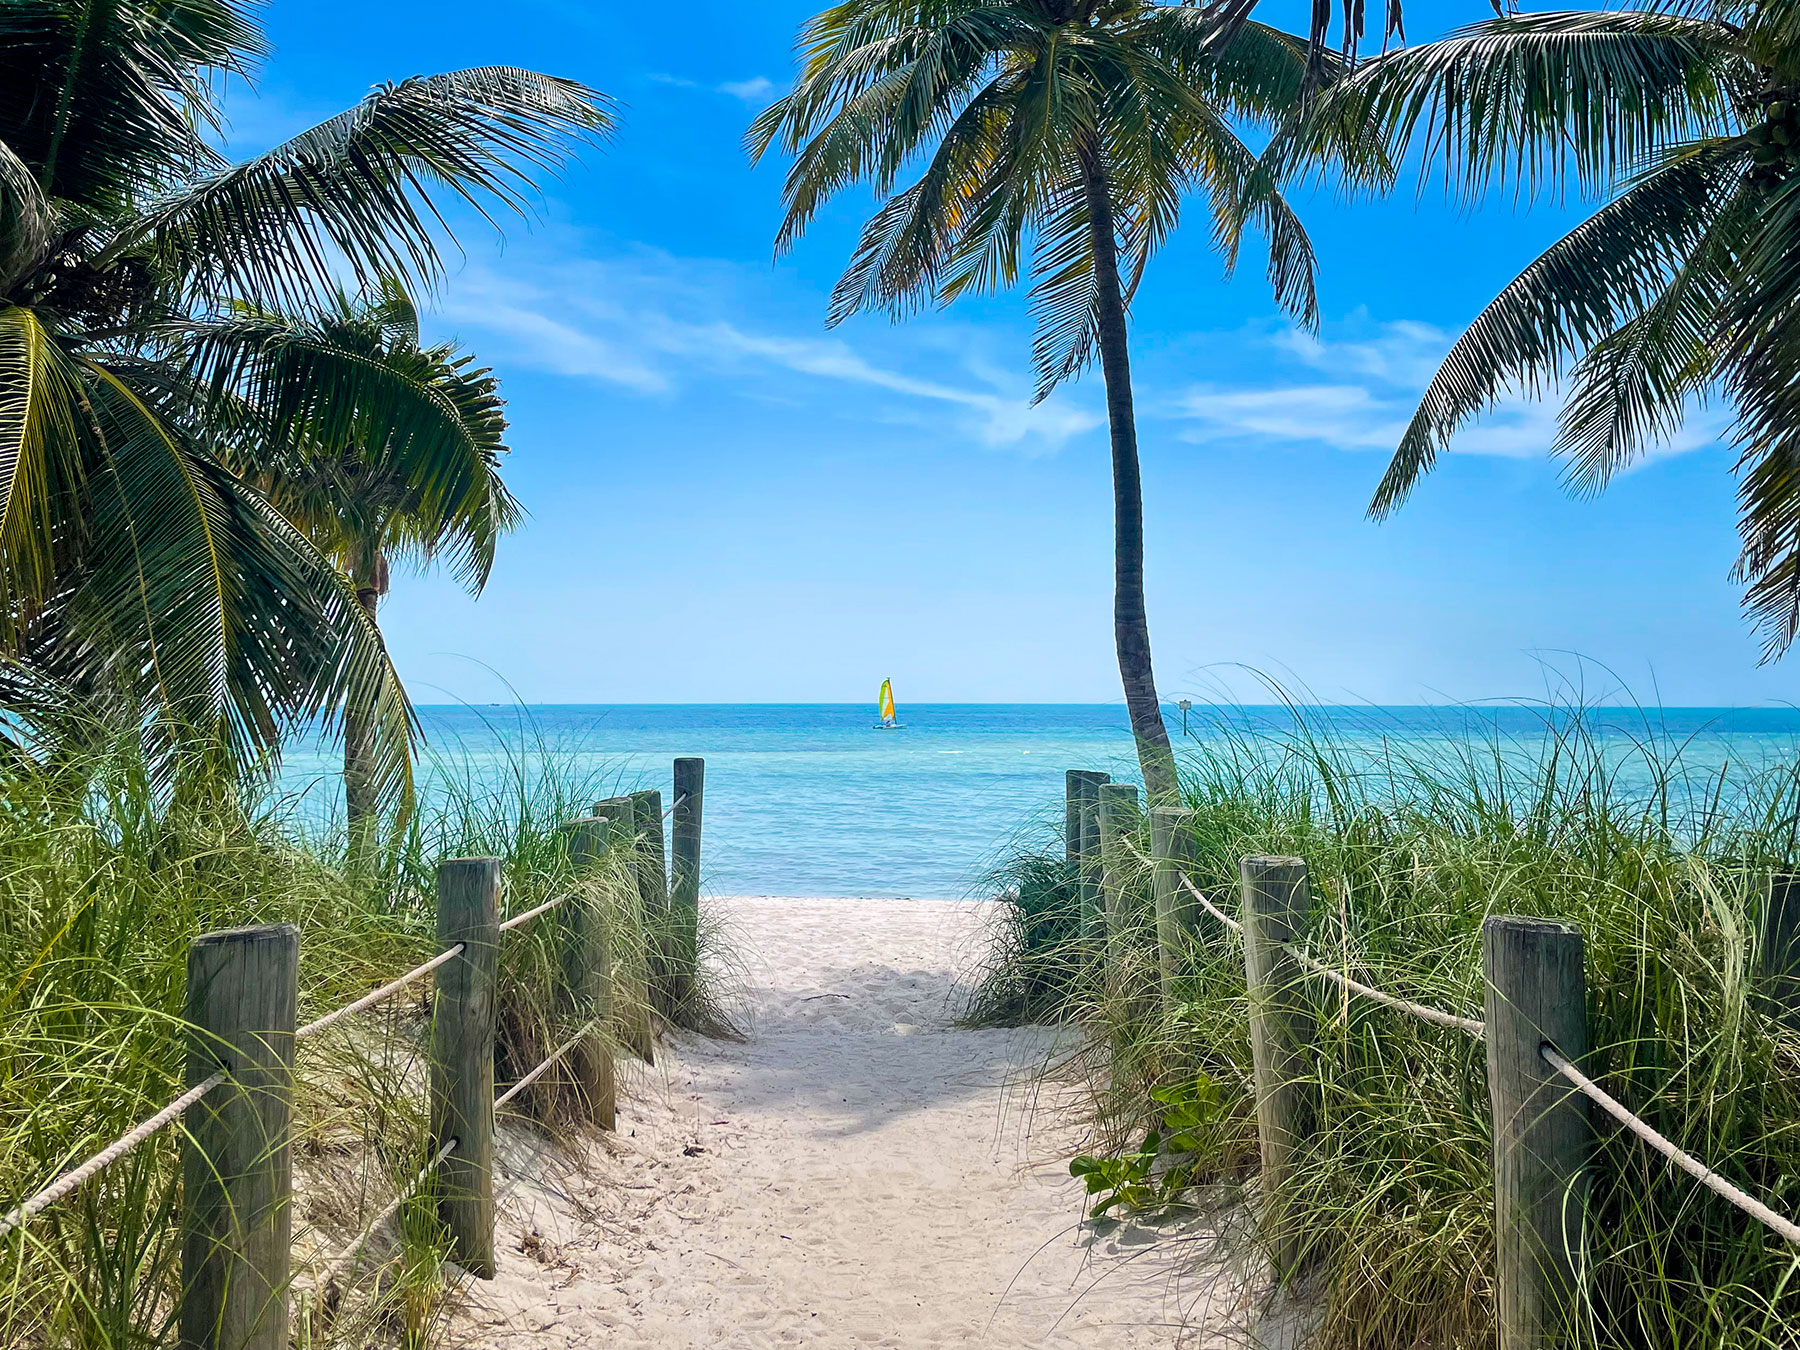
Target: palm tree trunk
[[359, 786], [1131, 624]]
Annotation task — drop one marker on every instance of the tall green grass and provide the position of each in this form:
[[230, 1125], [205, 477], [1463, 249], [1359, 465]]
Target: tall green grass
[[104, 880], [1664, 866]]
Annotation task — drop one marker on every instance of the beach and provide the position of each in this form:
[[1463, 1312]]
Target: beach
[[858, 1172]]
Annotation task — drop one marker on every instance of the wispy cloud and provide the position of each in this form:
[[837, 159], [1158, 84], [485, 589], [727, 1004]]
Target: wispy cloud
[[1373, 384], [753, 90], [656, 325]]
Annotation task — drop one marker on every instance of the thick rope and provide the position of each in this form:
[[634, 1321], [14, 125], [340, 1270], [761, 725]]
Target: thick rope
[[344, 1259], [544, 1067], [520, 920], [1211, 908], [1418, 1010], [1696, 1169], [386, 991], [106, 1157]]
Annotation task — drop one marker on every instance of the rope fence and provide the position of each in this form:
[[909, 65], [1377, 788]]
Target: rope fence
[[544, 1066], [380, 995], [1528, 964], [73, 1179], [1421, 1011], [1687, 1162], [347, 1257], [244, 1023]]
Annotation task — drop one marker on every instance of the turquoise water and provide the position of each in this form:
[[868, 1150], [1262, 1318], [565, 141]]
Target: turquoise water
[[812, 800]]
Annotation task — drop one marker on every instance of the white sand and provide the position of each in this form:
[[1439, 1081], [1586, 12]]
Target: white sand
[[858, 1174]]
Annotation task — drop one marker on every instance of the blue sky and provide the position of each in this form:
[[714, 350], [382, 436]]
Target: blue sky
[[731, 503]]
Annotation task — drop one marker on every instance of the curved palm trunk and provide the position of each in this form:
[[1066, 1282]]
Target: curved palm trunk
[[1131, 625], [360, 806]]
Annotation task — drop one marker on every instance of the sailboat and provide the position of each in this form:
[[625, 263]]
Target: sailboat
[[887, 722]]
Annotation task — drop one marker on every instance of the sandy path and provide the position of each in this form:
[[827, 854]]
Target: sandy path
[[858, 1174]]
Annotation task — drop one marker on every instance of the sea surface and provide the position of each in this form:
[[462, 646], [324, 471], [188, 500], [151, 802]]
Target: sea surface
[[811, 799]]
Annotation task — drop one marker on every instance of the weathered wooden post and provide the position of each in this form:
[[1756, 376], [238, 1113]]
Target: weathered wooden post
[[684, 888], [1093, 906], [1119, 818], [1779, 958], [653, 887], [587, 977], [631, 939], [1177, 912], [237, 1170], [1536, 997], [464, 1014], [1275, 902], [1079, 786]]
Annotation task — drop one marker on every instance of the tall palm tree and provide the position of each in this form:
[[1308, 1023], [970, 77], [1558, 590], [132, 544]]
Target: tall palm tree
[[1683, 285], [135, 567], [379, 448], [1066, 129]]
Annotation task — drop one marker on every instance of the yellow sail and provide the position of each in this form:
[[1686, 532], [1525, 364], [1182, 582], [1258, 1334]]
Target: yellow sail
[[887, 701]]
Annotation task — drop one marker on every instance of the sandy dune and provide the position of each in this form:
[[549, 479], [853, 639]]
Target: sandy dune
[[858, 1174]]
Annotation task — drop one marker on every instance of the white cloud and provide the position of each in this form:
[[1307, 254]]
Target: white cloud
[[753, 90], [655, 324], [1377, 381]]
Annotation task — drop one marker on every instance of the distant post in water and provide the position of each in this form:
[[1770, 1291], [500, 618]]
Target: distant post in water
[[587, 978], [684, 888], [464, 1013], [1275, 902], [1536, 996], [1779, 963], [237, 1169], [1118, 812], [1177, 912], [1093, 908], [632, 1013]]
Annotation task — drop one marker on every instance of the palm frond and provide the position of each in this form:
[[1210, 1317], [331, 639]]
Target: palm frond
[[1533, 99], [1606, 270], [356, 193], [198, 601], [40, 462], [1633, 387]]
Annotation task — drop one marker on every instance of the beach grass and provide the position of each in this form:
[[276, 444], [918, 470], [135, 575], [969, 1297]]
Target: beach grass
[[103, 882], [1410, 848]]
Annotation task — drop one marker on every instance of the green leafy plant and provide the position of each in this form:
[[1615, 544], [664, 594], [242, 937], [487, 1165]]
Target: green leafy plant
[[1155, 1175]]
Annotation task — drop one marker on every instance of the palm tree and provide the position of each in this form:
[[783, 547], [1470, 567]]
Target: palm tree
[[135, 567], [380, 449], [1684, 285], [1069, 128]]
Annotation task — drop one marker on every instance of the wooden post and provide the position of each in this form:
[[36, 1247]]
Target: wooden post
[[1093, 908], [1079, 786], [684, 889], [1275, 902], [237, 1170], [1536, 996], [630, 938], [1177, 912], [653, 886], [1119, 817], [462, 1057], [1779, 957], [587, 977]]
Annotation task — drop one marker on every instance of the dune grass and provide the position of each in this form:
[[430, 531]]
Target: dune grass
[[103, 881], [1663, 865]]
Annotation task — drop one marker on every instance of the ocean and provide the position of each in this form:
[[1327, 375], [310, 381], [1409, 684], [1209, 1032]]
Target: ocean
[[811, 799]]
